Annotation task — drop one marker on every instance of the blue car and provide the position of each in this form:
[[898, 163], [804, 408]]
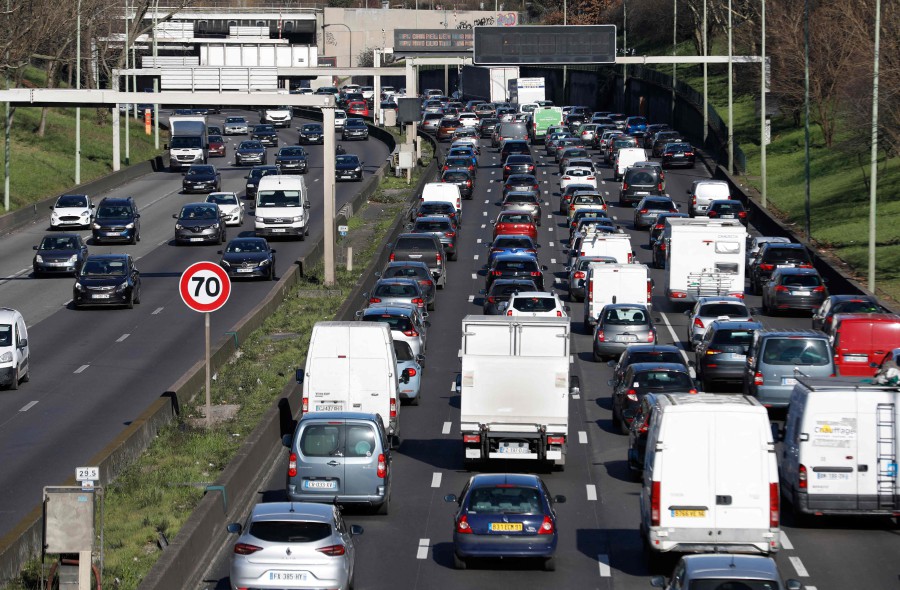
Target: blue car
[[409, 370], [505, 515], [511, 244], [635, 124], [464, 152]]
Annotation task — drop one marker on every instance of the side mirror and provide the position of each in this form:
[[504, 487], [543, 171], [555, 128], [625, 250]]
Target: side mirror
[[658, 581], [409, 227], [451, 498], [404, 376], [560, 499], [274, 251], [50, 207], [458, 383], [306, 205], [356, 530], [420, 358], [137, 215], [687, 312], [174, 216], [287, 440], [23, 342], [34, 247], [298, 375], [234, 528], [567, 308]]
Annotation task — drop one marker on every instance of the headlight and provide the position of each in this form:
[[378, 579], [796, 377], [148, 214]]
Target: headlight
[[96, 226], [264, 262], [225, 263], [130, 225], [73, 258], [357, 169], [38, 259], [54, 215], [298, 218], [85, 213], [215, 226], [79, 286], [121, 287], [179, 226], [6, 357]]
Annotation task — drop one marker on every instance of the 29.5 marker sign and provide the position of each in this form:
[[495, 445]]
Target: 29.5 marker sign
[[204, 286]]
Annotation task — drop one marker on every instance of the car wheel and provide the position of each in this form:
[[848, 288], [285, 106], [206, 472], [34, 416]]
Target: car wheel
[[14, 384], [137, 298], [27, 376], [414, 401], [459, 562], [131, 301], [550, 564], [138, 236], [431, 306], [133, 239]]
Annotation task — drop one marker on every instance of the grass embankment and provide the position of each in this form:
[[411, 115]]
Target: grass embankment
[[839, 190], [158, 492], [41, 167]]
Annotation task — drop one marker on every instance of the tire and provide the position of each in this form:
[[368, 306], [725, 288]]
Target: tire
[[27, 376], [616, 422], [14, 385], [550, 564], [130, 303], [415, 401], [133, 239], [459, 562], [623, 426], [137, 299], [431, 306], [453, 256]]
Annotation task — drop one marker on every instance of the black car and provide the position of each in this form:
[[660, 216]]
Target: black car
[[646, 353], [292, 159], [639, 183], [824, 316], [248, 258], [642, 378], [793, 289], [253, 179], [514, 146], [355, 128], [199, 222], [461, 178], [721, 355], [775, 255], [518, 164], [500, 292], [637, 434], [201, 178], [62, 253], [659, 251], [116, 220], [348, 167], [727, 209], [486, 126], [107, 279], [651, 132], [265, 134], [250, 152], [311, 133], [678, 154], [661, 139], [515, 266]]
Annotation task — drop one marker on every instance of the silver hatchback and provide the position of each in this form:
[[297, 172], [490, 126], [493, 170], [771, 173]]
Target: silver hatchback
[[293, 545], [397, 290], [709, 309], [620, 325]]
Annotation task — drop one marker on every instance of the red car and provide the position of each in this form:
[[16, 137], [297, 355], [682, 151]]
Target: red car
[[359, 108], [515, 222], [216, 146]]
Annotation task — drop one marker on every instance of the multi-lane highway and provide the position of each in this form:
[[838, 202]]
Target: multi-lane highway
[[599, 544], [94, 371]]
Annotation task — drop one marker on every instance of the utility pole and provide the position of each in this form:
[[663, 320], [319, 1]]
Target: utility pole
[[78, 87], [127, 106], [762, 105], [730, 100], [8, 120], [674, 52], [705, 80], [873, 180], [806, 112]]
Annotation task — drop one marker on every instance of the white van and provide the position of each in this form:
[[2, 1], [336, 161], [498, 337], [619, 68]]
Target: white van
[[14, 350], [614, 245], [705, 191], [710, 477], [443, 191], [282, 206], [840, 448], [615, 283], [351, 367], [628, 157]]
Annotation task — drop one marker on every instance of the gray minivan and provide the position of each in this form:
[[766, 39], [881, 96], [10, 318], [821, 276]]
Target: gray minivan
[[340, 457], [774, 356]]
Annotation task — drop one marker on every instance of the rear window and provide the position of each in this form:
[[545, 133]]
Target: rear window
[[575, 153], [403, 351], [712, 191], [433, 226], [625, 317], [395, 290], [801, 281], [656, 357], [640, 177], [336, 440], [521, 198], [412, 243], [729, 207], [659, 205], [664, 380], [506, 291], [405, 271], [512, 243], [505, 499], [521, 218], [458, 162], [733, 338], [397, 323], [279, 531], [793, 255], [527, 264], [715, 310], [455, 176], [796, 351], [731, 584], [534, 304], [513, 130]]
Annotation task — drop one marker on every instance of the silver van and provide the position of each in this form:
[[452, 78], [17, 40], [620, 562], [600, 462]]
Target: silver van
[[777, 357], [340, 457]]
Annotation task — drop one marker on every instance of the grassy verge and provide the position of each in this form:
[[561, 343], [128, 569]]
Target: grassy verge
[[158, 493], [839, 190]]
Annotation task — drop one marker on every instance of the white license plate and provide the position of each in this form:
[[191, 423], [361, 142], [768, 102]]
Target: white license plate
[[278, 230], [784, 266], [788, 381], [288, 576], [728, 216], [513, 450], [855, 358], [330, 408], [642, 193], [678, 156], [57, 264], [100, 296], [833, 476], [801, 293], [245, 270], [320, 484], [626, 338], [196, 239]]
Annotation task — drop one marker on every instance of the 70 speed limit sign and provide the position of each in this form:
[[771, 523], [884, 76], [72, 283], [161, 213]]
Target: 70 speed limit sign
[[204, 286]]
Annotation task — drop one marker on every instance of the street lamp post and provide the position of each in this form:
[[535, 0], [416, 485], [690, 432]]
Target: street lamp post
[[674, 52], [127, 106], [705, 81], [806, 112], [349, 35], [78, 87], [762, 105], [730, 100]]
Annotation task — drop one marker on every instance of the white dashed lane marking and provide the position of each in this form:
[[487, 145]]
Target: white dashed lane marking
[[582, 437], [478, 241], [591, 492], [157, 310], [422, 552], [553, 261], [550, 244], [475, 257], [122, 337], [483, 225], [603, 563], [474, 276], [799, 567], [453, 386], [28, 406], [81, 369], [785, 542], [436, 480], [448, 425]]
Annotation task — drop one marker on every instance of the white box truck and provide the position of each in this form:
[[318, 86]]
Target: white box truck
[[351, 367], [839, 455], [282, 207], [615, 283], [524, 91], [487, 84], [704, 258], [514, 388], [188, 143], [710, 478]]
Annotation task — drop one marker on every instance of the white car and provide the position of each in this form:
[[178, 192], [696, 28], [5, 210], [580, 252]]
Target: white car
[[235, 126], [468, 119], [577, 175], [340, 117], [230, 205], [536, 304], [72, 211]]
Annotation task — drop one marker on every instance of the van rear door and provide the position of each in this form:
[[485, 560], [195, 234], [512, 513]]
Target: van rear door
[[741, 471], [687, 500], [830, 454], [320, 458], [361, 451]]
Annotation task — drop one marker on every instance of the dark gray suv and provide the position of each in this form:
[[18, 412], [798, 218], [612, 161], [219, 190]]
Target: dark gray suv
[[441, 226], [721, 355], [639, 183], [425, 248]]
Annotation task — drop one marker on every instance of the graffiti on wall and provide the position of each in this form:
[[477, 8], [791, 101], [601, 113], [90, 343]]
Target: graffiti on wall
[[506, 19]]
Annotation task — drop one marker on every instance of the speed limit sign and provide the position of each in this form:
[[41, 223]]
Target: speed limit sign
[[204, 286]]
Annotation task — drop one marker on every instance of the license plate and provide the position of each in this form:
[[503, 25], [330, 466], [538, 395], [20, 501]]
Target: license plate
[[320, 484], [513, 450], [278, 230], [678, 156], [100, 296], [832, 476], [196, 239], [642, 193], [330, 408], [784, 266], [288, 576], [57, 264], [626, 338], [245, 270], [506, 526], [801, 293], [855, 358], [728, 216], [788, 381], [689, 513]]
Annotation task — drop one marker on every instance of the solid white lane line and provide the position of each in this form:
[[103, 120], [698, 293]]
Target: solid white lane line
[[478, 241], [81, 369], [28, 406], [785, 542], [591, 492], [422, 552], [571, 358], [453, 387], [471, 298], [122, 337], [448, 425], [669, 326], [23, 271], [163, 243], [547, 204], [799, 567], [603, 563], [483, 226], [486, 201], [157, 310], [435, 480], [582, 437]]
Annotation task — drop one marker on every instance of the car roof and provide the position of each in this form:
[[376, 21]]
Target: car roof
[[735, 325], [720, 299], [495, 479], [651, 366], [535, 294], [734, 566], [108, 256], [389, 309], [292, 511], [117, 201], [624, 306], [652, 348]]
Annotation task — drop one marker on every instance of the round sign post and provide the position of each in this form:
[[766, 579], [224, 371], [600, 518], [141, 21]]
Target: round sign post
[[205, 287]]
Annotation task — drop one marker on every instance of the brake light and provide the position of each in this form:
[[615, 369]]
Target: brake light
[[305, 405], [246, 549], [590, 290], [781, 289], [292, 465], [507, 168], [805, 266], [712, 351], [632, 395], [411, 372], [711, 214], [472, 439], [547, 527], [659, 186], [655, 490], [649, 290], [693, 199], [556, 440], [391, 257], [579, 274], [333, 550], [410, 333], [688, 153], [440, 258], [393, 410], [651, 336], [630, 257], [766, 267], [418, 301], [591, 178], [600, 336], [773, 505], [374, 300], [642, 211], [758, 378], [668, 154], [450, 234], [509, 312], [558, 314], [496, 273], [567, 178], [468, 183], [742, 214], [462, 525], [382, 467], [624, 186], [801, 477], [535, 273], [698, 323], [678, 295]]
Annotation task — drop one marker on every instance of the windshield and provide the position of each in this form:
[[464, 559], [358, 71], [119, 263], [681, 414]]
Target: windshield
[[505, 500], [347, 160], [241, 246], [114, 212], [734, 585], [72, 201], [240, 120], [278, 198], [250, 145], [312, 128], [196, 212], [260, 172], [436, 226], [515, 218], [5, 335], [625, 317], [54, 243], [292, 152], [200, 171], [524, 263], [714, 310], [513, 243], [185, 142], [103, 268]]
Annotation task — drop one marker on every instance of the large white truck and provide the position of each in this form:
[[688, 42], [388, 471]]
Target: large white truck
[[514, 388], [704, 258], [188, 143], [526, 90], [487, 84], [605, 284]]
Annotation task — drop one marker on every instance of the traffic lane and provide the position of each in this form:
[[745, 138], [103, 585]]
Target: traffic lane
[[169, 325]]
